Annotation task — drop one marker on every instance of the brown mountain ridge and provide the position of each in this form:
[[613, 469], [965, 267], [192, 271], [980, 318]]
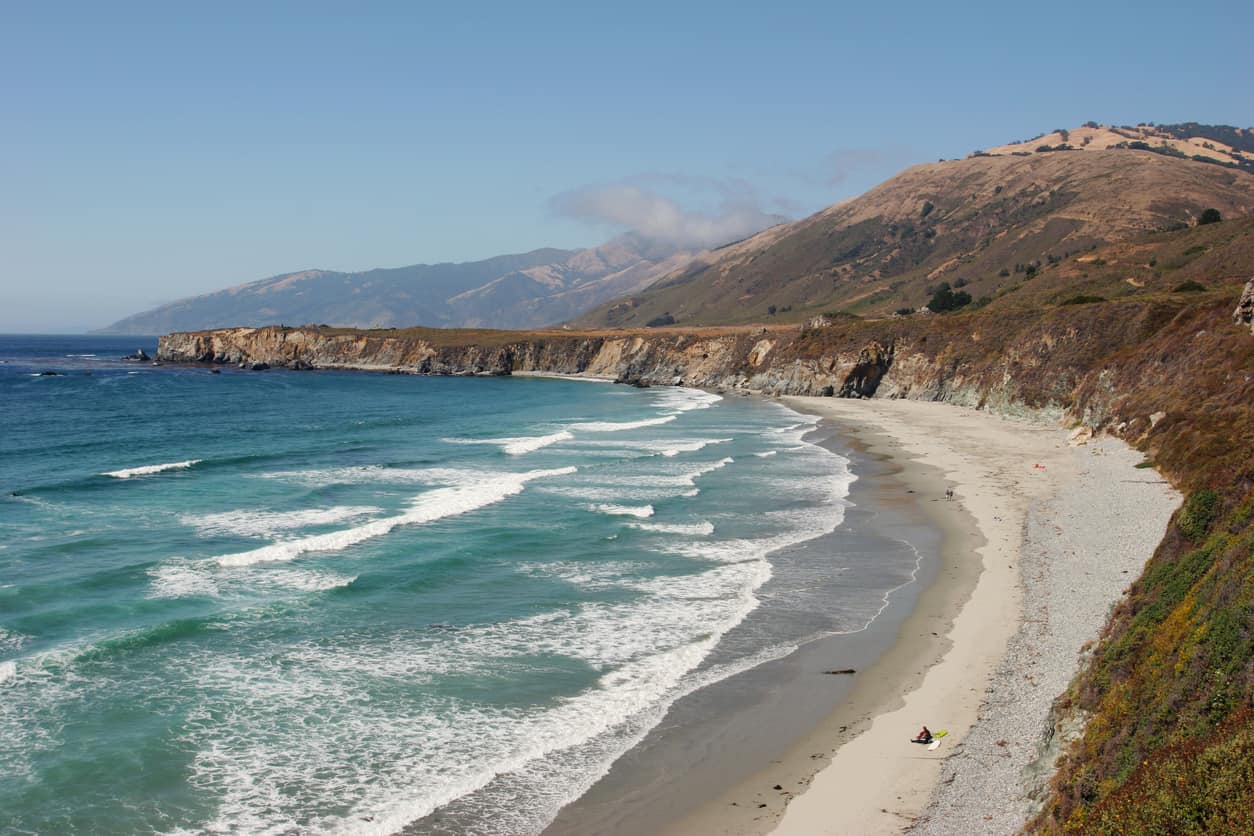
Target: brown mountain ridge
[[982, 223]]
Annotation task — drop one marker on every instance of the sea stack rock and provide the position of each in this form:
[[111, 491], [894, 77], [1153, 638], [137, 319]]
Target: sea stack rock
[[1244, 314], [139, 354]]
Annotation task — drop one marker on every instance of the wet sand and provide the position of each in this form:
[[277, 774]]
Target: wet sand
[[713, 764]]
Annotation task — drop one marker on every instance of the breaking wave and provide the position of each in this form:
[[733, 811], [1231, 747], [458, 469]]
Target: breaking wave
[[148, 470]]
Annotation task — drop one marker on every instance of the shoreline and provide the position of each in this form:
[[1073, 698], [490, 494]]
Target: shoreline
[[645, 793], [920, 639], [731, 729], [878, 782], [1041, 526]]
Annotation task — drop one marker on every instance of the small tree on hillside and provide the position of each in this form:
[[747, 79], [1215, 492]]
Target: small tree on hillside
[[1210, 216], [945, 299]]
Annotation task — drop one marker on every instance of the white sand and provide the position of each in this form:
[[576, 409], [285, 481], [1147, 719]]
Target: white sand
[[879, 782], [1082, 548]]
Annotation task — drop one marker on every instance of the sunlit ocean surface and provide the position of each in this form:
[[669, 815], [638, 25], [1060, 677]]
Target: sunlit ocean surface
[[287, 602]]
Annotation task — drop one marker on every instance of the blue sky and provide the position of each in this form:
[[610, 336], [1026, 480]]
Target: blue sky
[[149, 152]]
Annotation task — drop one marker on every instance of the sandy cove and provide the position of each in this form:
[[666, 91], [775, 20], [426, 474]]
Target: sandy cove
[[1011, 480], [1071, 524]]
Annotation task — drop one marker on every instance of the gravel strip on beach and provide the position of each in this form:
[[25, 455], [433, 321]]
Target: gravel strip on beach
[[1081, 550]]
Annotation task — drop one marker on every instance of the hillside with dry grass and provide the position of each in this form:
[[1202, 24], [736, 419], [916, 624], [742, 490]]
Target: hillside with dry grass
[[982, 224]]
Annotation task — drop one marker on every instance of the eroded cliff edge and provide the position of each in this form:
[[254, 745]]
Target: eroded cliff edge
[[1091, 364]]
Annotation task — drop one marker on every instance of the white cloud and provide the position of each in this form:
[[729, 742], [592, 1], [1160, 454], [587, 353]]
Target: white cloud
[[732, 211]]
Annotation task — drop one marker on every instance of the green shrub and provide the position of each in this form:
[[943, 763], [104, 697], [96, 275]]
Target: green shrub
[[1082, 299], [1196, 787], [1189, 287], [1210, 216], [658, 321], [1197, 514]]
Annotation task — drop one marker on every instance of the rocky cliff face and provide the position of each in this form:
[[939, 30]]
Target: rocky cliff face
[[1244, 314], [1056, 363]]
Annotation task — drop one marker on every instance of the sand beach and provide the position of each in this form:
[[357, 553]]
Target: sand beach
[[1060, 530], [1040, 538]]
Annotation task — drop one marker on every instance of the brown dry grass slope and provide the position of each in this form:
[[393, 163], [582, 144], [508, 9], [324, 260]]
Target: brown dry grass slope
[[983, 222]]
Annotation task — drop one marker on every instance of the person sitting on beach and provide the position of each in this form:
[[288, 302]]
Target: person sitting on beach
[[924, 736]]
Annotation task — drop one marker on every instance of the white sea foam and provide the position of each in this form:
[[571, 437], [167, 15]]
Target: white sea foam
[[9, 639], [685, 400], [794, 433], [618, 426], [588, 574], [668, 448], [517, 446], [301, 580], [247, 523], [640, 511], [179, 578], [148, 470], [428, 507], [613, 496], [372, 474], [766, 455], [394, 764], [636, 486], [703, 528], [8, 671]]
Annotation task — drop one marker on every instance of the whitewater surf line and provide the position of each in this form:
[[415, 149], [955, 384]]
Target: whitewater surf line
[[428, 507], [148, 470]]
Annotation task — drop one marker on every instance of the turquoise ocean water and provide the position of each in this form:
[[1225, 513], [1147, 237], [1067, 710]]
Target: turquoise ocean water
[[287, 602]]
